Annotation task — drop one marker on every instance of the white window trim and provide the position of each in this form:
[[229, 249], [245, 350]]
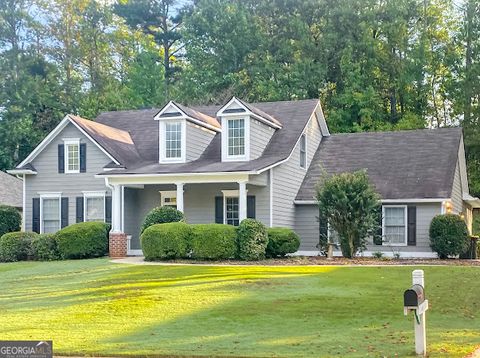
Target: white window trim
[[167, 194], [306, 151], [404, 207], [66, 143], [232, 158], [162, 137], [50, 196], [93, 194]]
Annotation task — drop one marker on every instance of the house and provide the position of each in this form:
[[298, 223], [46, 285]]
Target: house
[[11, 191], [226, 163]]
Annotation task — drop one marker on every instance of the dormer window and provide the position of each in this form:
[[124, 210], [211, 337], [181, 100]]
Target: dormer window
[[172, 141], [235, 138]]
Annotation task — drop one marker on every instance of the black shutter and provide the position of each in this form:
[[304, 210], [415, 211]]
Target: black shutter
[[64, 212], [219, 209], [251, 207], [61, 158], [79, 213], [36, 215], [377, 235], [108, 209], [412, 226], [83, 157]]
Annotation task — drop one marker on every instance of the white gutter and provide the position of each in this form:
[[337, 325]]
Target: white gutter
[[21, 171], [383, 201]]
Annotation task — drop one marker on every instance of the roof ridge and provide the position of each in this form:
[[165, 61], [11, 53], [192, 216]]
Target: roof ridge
[[418, 130]]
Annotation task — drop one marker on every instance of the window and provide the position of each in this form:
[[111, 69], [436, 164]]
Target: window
[[169, 198], [231, 207], [236, 137], [395, 225], [232, 211], [94, 206], [173, 138], [72, 155], [172, 141], [50, 220], [303, 151]]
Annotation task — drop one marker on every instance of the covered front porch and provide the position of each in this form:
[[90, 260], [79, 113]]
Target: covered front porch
[[203, 199]]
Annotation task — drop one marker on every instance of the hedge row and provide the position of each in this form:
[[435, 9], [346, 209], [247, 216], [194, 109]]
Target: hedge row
[[82, 240], [250, 241]]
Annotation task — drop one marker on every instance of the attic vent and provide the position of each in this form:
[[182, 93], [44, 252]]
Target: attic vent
[[171, 114], [234, 110]]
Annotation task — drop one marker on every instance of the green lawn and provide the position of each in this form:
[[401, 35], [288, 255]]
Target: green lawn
[[96, 307]]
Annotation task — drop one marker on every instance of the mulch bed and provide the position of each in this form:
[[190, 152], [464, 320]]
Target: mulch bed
[[320, 260]]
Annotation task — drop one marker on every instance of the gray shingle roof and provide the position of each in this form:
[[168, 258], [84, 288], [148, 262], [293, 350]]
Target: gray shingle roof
[[293, 115], [11, 190], [401, 165]]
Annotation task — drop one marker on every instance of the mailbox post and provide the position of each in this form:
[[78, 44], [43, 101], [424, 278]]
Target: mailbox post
[[414, 300]]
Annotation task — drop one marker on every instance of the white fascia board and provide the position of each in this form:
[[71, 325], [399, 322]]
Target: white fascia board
[[162, 111], [169, 178], [229, 103], [51, 136], [21, 171], [322, 121], [383, 201]]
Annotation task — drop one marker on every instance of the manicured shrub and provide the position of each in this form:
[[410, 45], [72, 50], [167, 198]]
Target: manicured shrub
[[213, 241], [15, 246], [252, 239], [448, 235], [166, 241], [10, 219], [44, 248], [281, 241], [83, 240], [162, 215]]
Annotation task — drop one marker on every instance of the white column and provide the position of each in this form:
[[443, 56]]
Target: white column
[[116, 208], [420, 331], [242, 200], [180, 205]]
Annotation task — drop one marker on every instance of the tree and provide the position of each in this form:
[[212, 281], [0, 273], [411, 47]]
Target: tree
[[350, 204], [162, 20]]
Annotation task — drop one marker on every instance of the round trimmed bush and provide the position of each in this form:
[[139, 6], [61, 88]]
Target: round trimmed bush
[[15, 246], [83, 240], [10, 219], [44, 248], [166, 241], [448, 235], [162, 215], [252, 240], [213, 241], [281, 241]]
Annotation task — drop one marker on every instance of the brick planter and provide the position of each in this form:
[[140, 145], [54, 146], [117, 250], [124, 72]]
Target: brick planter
[[117, 244]]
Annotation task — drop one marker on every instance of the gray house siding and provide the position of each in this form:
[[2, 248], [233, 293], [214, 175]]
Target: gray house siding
[[306, 225], [199, 204], [197, 139], [260, 135], [70, 185], [288, 177]]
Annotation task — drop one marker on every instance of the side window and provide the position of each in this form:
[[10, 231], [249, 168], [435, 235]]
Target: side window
[[50, 210], [303, 151], [72, 156], [94, 206]]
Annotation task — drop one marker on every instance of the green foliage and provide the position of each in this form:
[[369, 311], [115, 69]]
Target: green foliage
[[162, 215], [281, 241], [213, 241], [15, 246], [252, 238], [378, 254], [83, 240], [10, 219], [166, 241], [44, 248], [350, 204], [476, 223], [448, 235]]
